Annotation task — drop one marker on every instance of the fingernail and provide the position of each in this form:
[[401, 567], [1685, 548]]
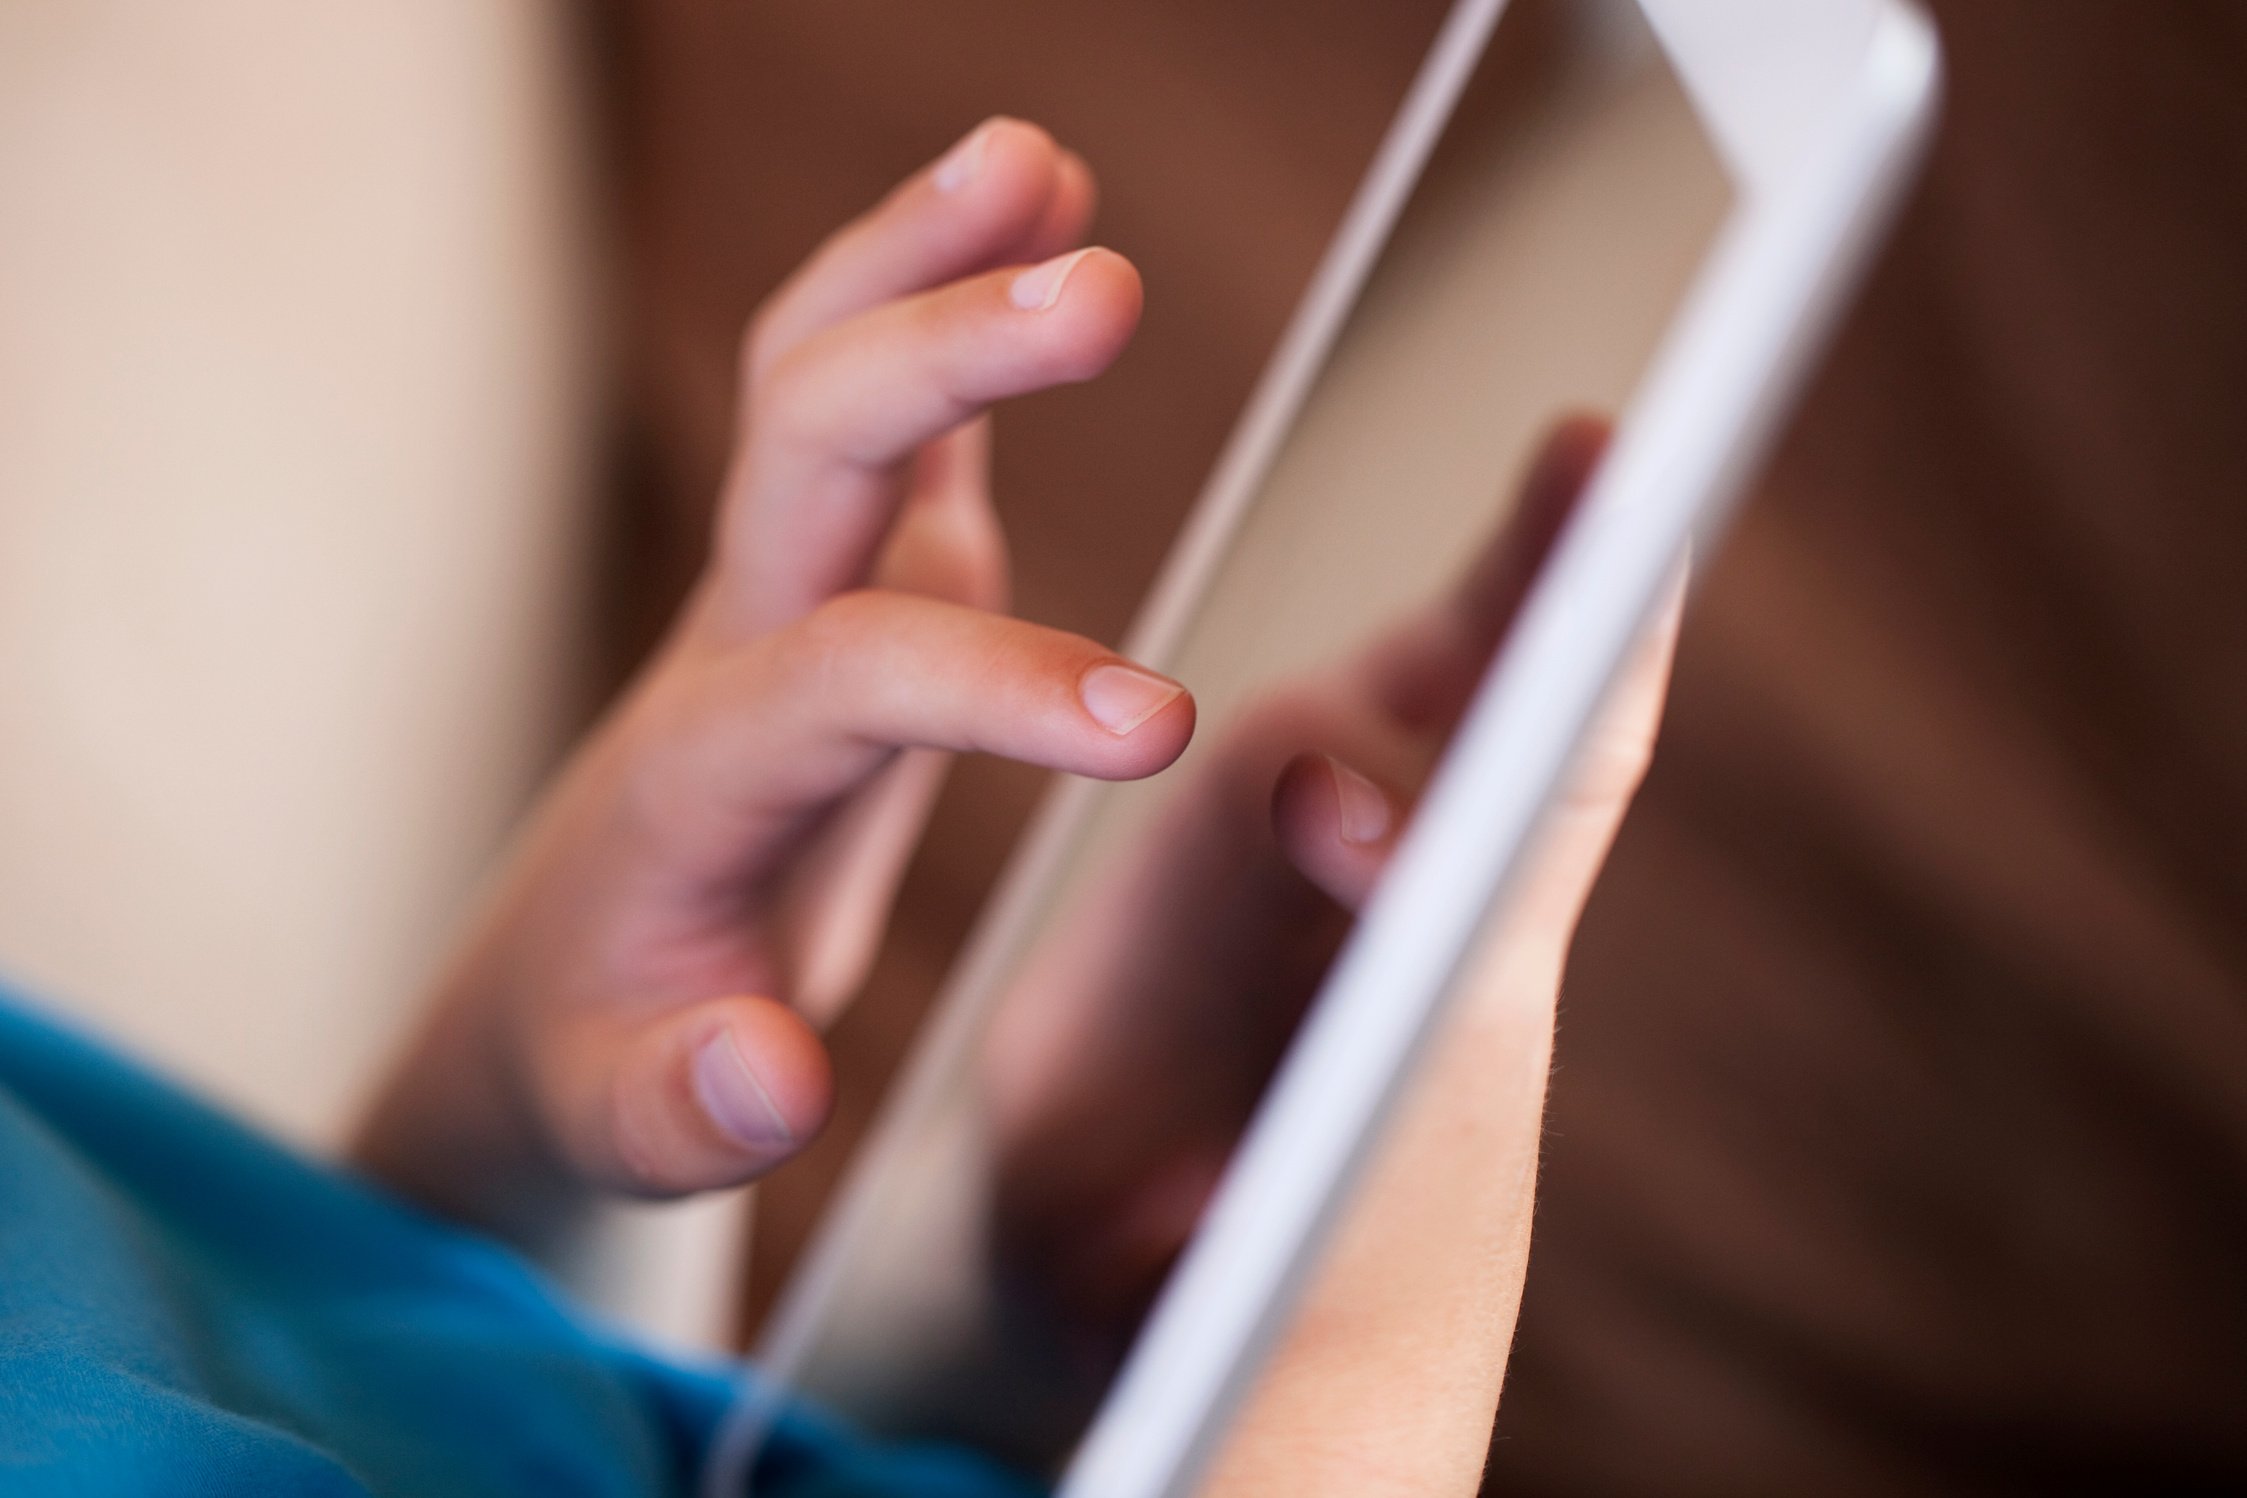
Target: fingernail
[[1120, 698], [960, 164], [735, 1100], [1365, 809], [1039, 287]]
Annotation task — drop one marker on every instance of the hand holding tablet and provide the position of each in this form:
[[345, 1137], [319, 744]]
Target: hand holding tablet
[[1197, 1000], [1123, 1065]]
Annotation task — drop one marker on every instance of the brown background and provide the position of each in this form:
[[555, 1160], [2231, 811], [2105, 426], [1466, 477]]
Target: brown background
[[1899, 1136]]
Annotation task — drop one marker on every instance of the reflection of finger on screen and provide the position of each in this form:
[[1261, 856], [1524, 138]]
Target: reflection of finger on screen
[[1336, 826]]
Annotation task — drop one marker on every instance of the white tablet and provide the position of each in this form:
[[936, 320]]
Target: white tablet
[[1145, 1093]]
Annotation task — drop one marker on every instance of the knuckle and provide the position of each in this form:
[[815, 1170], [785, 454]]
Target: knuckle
[[775, 395], [822, 643], [844, 619]]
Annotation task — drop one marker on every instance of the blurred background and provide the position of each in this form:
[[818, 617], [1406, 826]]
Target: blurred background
[[365, 375]]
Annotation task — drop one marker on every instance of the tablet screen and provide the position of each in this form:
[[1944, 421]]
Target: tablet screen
[[1021, 1232]]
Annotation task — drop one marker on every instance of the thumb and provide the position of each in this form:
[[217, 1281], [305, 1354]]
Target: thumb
[[691, 1099]]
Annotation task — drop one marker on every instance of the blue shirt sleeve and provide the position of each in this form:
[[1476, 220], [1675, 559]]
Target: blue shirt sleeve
[[188, 1309]]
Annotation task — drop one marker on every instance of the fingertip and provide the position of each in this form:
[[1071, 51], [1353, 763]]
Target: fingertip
[[1004, 175], [1107, 281], [1022, 141], [1088, 302], [1150, 717], [761, 1077], [1565, 462], [719, 1095], [1163, 737], [1121, 697]]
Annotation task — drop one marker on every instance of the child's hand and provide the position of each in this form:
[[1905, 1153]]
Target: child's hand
[[1168, 988], [722, 852]]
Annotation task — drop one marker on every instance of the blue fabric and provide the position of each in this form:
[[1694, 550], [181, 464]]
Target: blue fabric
[[187, 1309]]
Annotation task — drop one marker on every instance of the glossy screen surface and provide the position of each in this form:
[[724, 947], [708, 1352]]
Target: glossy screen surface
[[1025, 1221]]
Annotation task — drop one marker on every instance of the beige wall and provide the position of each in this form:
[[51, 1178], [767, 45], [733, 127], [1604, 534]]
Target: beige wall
[[293, 409]]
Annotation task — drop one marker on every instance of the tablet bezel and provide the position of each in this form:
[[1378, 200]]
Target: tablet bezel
[[1816, 108]]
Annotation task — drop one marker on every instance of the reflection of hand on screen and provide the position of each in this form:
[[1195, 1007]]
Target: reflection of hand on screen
[[1127, 1063]]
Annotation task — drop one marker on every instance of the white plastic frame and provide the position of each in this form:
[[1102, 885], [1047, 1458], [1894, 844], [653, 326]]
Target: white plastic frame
[[1817, 108]]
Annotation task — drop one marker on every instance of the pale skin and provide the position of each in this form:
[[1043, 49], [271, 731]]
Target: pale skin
[[636, 1010]]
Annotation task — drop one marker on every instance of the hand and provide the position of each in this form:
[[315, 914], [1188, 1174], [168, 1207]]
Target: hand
[[1146, 1024], [1388, 1380], [715, 863]]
